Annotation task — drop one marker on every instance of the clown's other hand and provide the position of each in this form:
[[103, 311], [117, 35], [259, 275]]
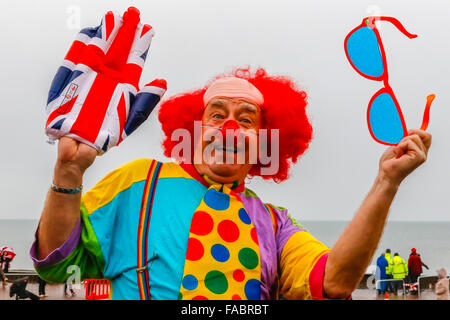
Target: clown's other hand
[[399, 161], [94, 97]]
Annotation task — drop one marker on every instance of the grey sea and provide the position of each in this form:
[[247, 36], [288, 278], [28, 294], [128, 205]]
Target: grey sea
[[431, 239]]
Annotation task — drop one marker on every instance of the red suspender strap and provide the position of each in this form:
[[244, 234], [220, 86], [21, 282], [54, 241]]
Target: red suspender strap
[[144, 223], [274, 218]]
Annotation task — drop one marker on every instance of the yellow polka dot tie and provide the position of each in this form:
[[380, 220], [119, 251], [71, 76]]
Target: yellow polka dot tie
[[222, 258]]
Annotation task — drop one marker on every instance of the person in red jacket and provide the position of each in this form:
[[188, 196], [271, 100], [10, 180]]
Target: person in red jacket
[[415, 265], [3, 277]]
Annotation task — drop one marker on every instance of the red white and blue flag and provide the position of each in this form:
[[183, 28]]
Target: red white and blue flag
[[95, 97]]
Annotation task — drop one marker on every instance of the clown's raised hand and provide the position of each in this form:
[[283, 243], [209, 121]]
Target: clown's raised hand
[[94, 97]]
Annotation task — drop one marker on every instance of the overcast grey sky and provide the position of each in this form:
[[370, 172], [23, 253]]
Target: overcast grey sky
[[196, 40]]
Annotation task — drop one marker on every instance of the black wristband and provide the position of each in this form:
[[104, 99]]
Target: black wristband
[[65, 190]]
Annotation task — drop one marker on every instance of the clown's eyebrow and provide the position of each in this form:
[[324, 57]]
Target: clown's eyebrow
[[217, 104], [244, 106], [248, 107]]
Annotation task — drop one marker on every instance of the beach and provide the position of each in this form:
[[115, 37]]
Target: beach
[[430, 238], [56, 291]]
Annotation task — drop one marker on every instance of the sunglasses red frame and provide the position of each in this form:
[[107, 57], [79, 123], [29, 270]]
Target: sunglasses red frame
[[370, 23]]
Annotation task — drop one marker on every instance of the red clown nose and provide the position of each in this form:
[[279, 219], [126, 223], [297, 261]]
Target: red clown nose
[[233, 131], [229, 125]]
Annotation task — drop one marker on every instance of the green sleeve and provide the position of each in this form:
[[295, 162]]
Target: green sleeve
[[87, 256]]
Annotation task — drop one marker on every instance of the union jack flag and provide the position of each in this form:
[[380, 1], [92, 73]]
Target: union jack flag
[[95, 97]]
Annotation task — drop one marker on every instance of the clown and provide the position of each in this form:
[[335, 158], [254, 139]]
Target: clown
[[191, 229]]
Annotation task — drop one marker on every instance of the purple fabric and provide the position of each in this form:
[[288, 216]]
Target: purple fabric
[[285, 230], [270, 246], [264, 229], [60, 253]]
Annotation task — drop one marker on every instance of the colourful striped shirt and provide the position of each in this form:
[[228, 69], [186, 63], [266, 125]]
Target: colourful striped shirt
[[104, 242]]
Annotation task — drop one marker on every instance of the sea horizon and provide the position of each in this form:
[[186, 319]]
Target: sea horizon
[[430, 238]]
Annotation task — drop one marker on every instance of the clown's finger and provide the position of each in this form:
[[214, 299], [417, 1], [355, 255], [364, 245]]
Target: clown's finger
[[424, 136], [411, 149], [416, 139]]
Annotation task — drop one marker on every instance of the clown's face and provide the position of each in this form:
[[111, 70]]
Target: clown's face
[[239, 121]]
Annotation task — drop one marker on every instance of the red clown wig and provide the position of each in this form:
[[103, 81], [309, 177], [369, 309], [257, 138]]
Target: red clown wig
[[284, 108]]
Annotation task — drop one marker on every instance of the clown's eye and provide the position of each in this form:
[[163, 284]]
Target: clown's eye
[[217, 116], [245, 120]]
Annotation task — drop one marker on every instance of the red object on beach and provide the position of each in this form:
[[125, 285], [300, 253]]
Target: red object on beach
[[96, 289], [10, 252]]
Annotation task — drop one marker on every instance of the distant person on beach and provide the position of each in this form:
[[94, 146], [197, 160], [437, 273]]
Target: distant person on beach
[[3, 277], [415, 264], [389, 284], [69, 286], [42, 284], [442, 285], [5, 261], [18, 288], [399, 271], [190, 228], [382, 265]]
